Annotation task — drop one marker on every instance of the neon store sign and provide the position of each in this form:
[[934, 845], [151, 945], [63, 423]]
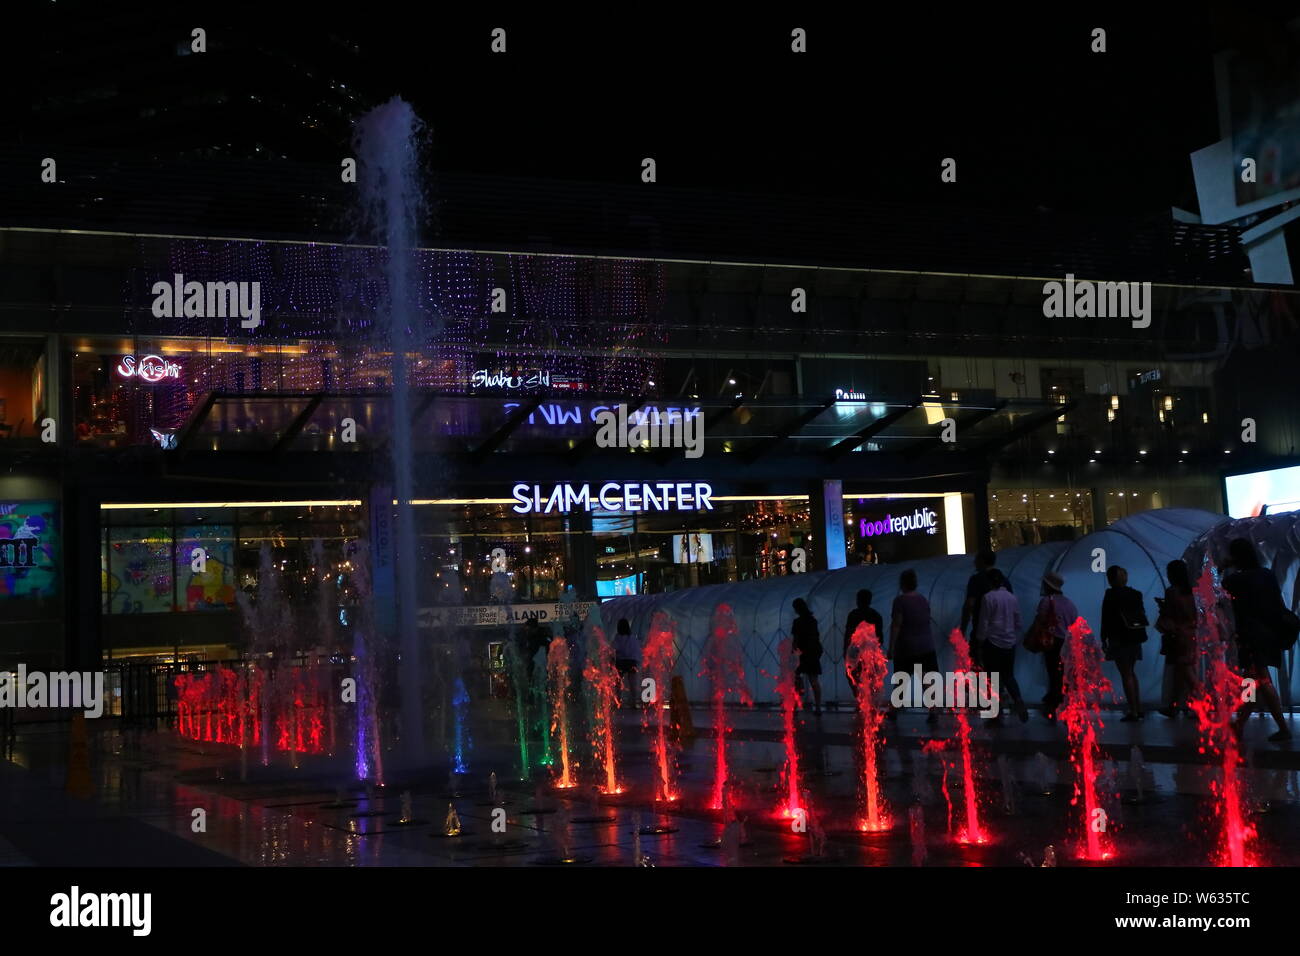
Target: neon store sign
[[537, 378], [555, 414], [613, 496], [923, 519], [150, 368]]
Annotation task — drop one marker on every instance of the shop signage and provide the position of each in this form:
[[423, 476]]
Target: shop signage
[[485, 379], [613, 496], [848, 395], [554, 413], [494, 615], [150, 368], [923, 519], [535, 378]]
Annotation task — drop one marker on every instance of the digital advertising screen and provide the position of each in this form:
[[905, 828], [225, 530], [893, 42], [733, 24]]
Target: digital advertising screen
[[1263, 492], [692, 548]]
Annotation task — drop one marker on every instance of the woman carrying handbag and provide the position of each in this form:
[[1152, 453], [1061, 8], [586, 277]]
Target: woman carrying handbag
[[1047, 636]]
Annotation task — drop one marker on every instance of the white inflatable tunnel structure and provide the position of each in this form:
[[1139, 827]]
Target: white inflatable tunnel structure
[[1143, 544]]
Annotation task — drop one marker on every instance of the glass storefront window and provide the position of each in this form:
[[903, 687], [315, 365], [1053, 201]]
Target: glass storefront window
[[1023, 516], [23, 393], [140, 570], [205, 581]]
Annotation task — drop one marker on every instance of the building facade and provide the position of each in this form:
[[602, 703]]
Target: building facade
[[166, 457]]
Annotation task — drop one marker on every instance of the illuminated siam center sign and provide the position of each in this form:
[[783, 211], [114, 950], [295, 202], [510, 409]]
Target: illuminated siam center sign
[[613, 496]]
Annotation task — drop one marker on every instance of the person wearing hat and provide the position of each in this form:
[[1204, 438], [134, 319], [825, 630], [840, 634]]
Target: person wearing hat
[[1056, 612]]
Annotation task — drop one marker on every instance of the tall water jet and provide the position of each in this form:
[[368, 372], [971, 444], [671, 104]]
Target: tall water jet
[[916, 831], [601, 681], [392, 202], [1137, 773], [540, 696], [1008, 778], [1213, 705], [788, 691], [724, 670], [369, 758], [1085, 686], [868, 668], [974, 832], [460, 704], [939, 747], [519, 680], [660, 647], [557, 681]]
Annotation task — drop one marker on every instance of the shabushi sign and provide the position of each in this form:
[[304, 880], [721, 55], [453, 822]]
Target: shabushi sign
[[614, 496], [923, 519]]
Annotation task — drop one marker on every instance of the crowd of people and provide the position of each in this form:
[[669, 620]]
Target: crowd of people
[[1253, 619]]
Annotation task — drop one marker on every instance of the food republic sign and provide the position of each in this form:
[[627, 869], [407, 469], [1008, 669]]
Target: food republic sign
[[614, 496], [923, 519], [150, 368]]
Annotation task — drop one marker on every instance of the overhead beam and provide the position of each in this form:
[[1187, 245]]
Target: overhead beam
[[874, 428], [711, 421], [793, 426], [584, 447], [1031, 423], [498, 437], [922, 445], [185, 437], [425, 403], [298, 424]]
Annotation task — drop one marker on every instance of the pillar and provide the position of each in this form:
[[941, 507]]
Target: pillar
[[826, 504]]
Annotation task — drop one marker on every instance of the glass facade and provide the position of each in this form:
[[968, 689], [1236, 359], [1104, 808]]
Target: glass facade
[[212, 564]]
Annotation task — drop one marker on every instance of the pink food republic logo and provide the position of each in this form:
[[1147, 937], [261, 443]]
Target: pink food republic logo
[[150, 368], [923, 519]]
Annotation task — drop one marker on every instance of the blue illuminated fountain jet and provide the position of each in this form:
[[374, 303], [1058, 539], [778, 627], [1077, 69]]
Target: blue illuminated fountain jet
[[391, 204]]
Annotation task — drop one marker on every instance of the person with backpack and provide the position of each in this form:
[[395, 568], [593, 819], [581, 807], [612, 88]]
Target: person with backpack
[[1264, 627], [807, 643], [1123, 631]]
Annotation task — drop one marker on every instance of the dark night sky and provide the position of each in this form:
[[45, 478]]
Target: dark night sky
[[1032, 116]]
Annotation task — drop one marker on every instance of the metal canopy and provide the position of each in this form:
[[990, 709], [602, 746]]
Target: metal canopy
[[478, 427]]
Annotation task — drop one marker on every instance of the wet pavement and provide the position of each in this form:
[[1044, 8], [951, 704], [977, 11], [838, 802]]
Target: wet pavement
[[148, 785]]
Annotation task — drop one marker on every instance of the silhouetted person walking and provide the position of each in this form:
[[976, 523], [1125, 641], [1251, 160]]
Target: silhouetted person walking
[[1123, 629], [999, 632], [978, 585], [1177, 627], [1257, 609], [806, 641], [864, 613], [911, 633], [1056, 612]]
